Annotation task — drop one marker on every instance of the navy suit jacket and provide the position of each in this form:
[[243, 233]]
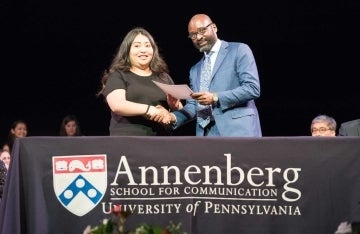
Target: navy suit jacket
[[350, 128], [235, 79]]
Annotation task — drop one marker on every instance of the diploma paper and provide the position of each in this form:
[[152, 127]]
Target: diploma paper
[[181, 91]]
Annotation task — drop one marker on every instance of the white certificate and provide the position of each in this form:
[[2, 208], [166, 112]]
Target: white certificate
[[181, 91]]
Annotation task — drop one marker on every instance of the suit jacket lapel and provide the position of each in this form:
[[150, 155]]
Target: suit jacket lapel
[[220, 57], [198, 69]]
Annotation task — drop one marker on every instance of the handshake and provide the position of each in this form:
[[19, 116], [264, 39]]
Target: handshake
[[160, 114]]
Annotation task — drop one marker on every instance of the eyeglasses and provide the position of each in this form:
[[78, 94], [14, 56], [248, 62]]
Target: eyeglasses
[[200, 31], [320, 130]]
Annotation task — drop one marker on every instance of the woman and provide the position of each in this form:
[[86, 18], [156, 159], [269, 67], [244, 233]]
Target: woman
[[5, 157], [70, 126], [137, 105], [18, 129]]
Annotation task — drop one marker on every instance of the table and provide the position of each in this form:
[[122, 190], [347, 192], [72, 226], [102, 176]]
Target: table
[[209, 185]]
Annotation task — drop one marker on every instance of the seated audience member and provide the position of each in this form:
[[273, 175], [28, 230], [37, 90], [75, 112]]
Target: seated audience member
[[70, 126], [323, 125], [5, 157], [3, 174], [18, 129], [350, 128]]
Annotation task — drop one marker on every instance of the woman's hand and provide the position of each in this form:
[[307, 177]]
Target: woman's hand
[[159, 114]]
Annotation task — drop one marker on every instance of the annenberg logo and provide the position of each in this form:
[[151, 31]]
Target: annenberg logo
[[206, 175], [80, 181]]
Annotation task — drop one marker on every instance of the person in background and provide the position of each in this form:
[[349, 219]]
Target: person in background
[[138, 107], [5, 157], [350, 128], [70, 126], [3, 175], [229, 99], [18, 129], [323, 125]]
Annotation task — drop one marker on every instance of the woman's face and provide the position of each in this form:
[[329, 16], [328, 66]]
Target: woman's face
[[5, 157], [70, 128], [141, 52], [20, 130]]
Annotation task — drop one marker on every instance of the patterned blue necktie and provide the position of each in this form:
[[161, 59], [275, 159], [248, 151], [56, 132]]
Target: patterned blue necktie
[[204, 112]]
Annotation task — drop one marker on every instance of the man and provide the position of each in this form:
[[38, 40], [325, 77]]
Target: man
[[350, 128], [225, 106], [323, 125]]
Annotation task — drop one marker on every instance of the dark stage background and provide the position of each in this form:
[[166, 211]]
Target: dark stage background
[[53, 55]]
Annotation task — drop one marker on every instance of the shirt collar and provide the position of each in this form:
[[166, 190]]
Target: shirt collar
[[216, 47]]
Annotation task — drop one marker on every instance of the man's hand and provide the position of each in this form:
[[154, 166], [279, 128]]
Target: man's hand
[[159, 114], [204, 98], [174, 103]]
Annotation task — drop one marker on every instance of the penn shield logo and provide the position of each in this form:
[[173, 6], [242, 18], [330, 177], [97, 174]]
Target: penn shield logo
[[79, 181]]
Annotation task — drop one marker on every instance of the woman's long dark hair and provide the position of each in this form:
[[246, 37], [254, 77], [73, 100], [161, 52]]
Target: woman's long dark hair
[[122, 59]]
